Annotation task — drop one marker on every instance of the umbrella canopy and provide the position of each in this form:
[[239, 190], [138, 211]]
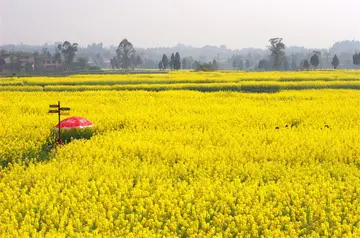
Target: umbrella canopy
[[74, 122]]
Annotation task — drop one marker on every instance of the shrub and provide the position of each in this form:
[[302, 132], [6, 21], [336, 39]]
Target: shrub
[[94, 68], [68, 135]]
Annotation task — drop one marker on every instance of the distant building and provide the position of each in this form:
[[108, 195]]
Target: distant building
[[24, 61], [3, 61], [6, 58], [49, 63], [91, 62], [107, 64], [30, 60], [9, 63], [9, 59]]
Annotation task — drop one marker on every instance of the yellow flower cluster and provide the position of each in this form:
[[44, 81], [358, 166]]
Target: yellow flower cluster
[[244, 86], [185, 77], [183, 163]]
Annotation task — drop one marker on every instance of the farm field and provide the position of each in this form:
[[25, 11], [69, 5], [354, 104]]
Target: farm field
[[238, 81], [180, 77], [169, 158]]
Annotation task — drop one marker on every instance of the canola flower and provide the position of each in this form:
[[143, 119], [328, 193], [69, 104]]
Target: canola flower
[[183, 163], [187, 77], [237, 81], [246, 86]]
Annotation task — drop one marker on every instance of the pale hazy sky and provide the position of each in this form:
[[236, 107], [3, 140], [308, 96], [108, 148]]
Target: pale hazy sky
[[151, 23]]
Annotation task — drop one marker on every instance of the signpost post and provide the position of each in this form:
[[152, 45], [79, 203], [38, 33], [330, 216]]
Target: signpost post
[[60, 111]]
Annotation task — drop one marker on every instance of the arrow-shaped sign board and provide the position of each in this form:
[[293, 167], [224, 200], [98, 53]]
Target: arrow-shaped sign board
[[61, 111]]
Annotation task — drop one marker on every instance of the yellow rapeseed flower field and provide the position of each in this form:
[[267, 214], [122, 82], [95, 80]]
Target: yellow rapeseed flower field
[[187, 77], [182, 163]]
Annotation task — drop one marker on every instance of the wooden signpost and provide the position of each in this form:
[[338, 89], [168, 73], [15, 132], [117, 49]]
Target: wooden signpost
[[61, 111]]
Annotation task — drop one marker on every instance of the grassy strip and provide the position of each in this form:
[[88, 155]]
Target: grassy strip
[[71, 73], [257, 87], [183, 77]]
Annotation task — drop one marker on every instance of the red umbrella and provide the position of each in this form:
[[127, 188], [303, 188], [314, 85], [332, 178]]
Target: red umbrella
[[74, 122]]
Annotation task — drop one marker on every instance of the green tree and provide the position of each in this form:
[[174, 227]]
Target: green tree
[[16, 64], [286, 65], [247, 64], [196, 65], [314, 60], [306, 65], [139, 60], [160, 65], [2, 63], [262, 64], [234, 64], [293, 63], [13, 62], [37, 61], [214, 65], [277, 48], [165, 61], [99, 60], [133, 64], [172, 61], [82, 62], [29, 67], [57, 55], [114, 63], [240, 65], [356, 58], [45, 52], [68, 51], [125, 52], [184, 64], [177, 61], [335, 62]]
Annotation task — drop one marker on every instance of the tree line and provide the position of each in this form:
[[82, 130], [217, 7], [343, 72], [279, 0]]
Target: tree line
[[124, 56], [278, 60], [174, 63], [64, 58]]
